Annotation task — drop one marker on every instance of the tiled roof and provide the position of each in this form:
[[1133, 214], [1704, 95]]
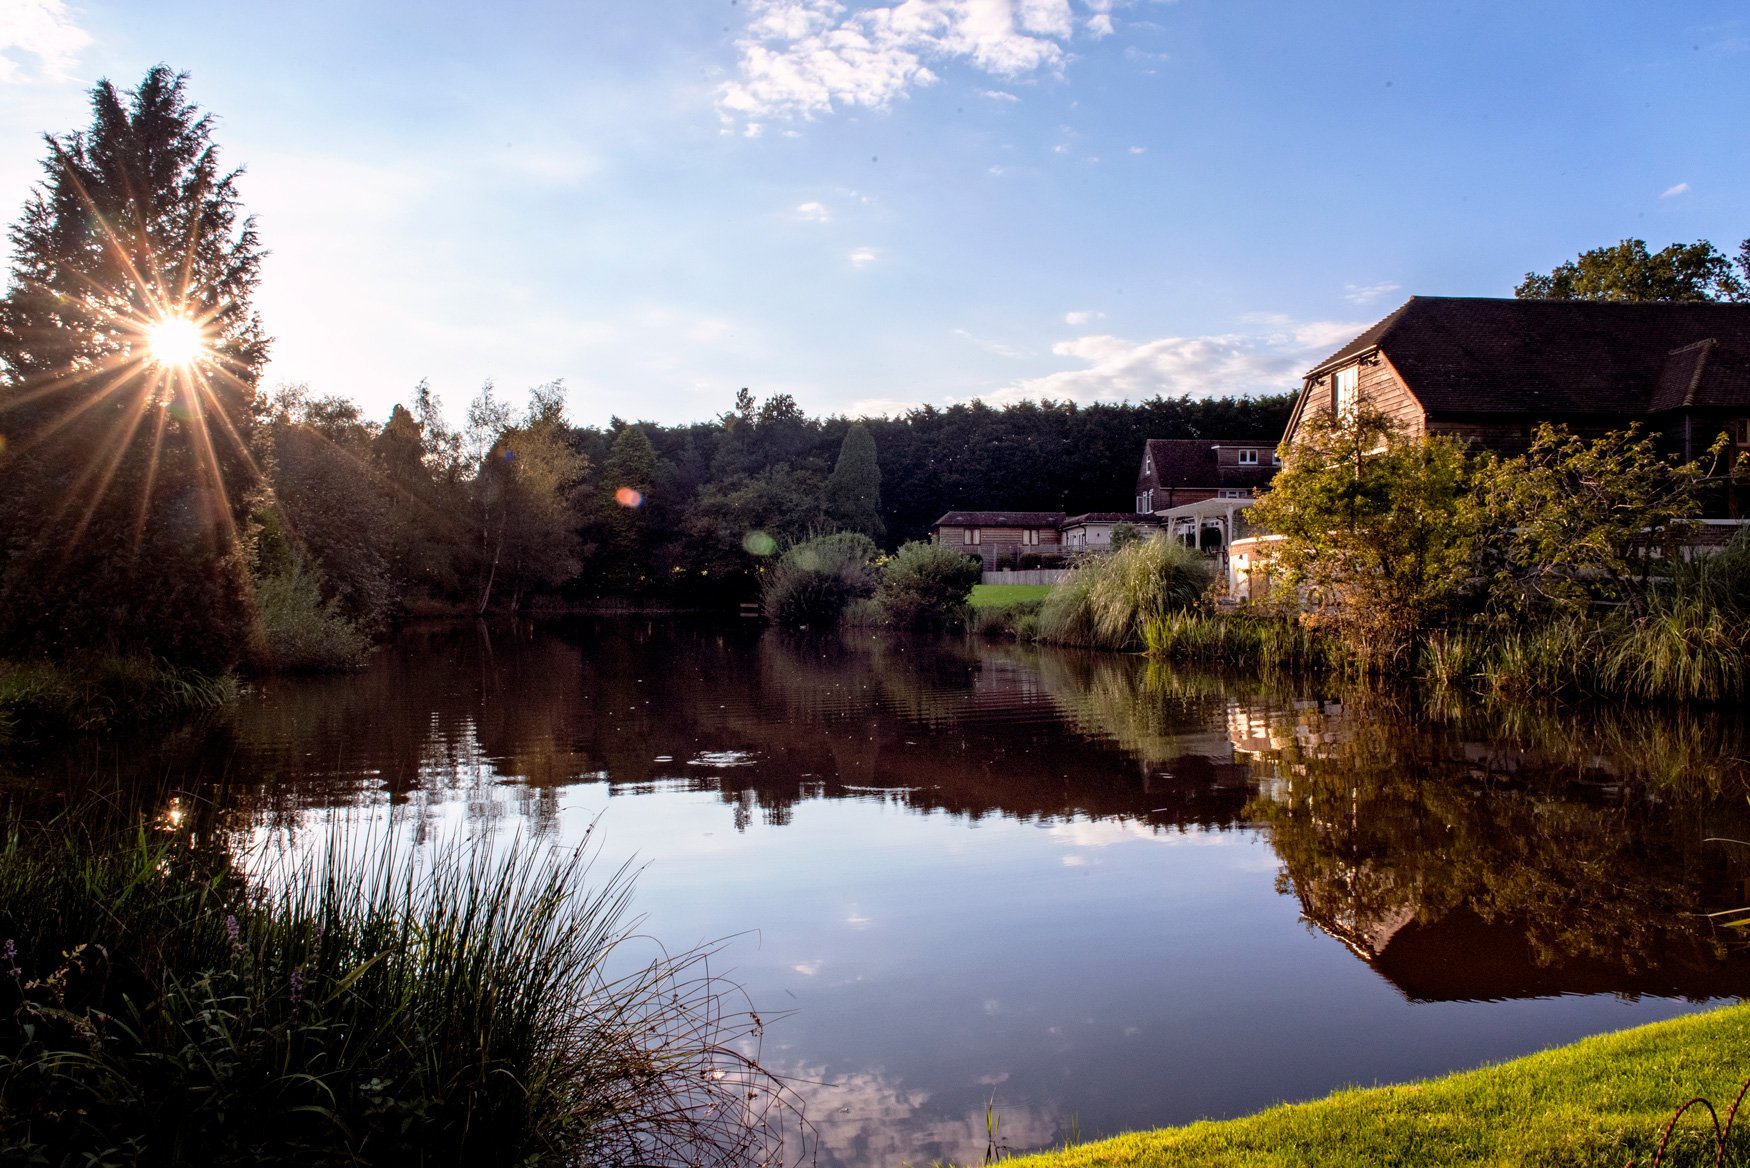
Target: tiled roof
[[1192, 462], [1000, 519], [1562, 357]]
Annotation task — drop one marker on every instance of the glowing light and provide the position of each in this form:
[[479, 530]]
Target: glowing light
[[627, 497], [758, 543], [175, 340]]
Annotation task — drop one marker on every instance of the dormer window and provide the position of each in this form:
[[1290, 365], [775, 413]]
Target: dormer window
[[1248, 458]]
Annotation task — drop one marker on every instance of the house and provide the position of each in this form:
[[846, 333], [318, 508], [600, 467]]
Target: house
[[1176, 471], [1491, 370], [999, 536], [1093, 532]]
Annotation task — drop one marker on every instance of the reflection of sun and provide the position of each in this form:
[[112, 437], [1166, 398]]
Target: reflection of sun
[[175, 341]]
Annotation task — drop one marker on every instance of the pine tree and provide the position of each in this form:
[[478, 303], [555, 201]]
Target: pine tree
[[131, 354], [853, 490]]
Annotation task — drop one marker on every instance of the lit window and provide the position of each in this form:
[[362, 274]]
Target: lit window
[[1148, 464], [971, 535], [1248, 458], [1030, 535], [1347, 384]]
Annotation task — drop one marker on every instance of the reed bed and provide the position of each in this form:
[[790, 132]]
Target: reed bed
[[369, 1005], [1107, 601]]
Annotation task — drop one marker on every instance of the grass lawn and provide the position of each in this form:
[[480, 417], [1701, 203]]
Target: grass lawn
[[1602, 1101], [1003, 595]]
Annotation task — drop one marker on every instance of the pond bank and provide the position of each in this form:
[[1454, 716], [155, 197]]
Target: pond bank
[[1602, 1100]]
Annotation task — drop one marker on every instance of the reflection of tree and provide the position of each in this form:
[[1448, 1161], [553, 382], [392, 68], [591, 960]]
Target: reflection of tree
[[1389, 831]]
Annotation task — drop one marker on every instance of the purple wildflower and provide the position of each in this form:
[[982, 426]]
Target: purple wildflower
[[295, 984], [232, 930], [9, 954]]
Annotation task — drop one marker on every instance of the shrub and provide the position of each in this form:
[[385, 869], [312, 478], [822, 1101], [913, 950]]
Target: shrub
[[927, 585], [1107, 601], [813, 581], [299, 630]]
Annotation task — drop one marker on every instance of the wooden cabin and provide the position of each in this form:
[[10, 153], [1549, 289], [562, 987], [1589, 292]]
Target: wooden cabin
[[998, 537]]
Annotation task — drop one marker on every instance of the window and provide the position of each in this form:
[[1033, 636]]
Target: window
[[972, 534], [1030, 535], [1233, 493], [1740, 430], [1345, 388], [1248, 458], [1275, 458], [1148, 464]]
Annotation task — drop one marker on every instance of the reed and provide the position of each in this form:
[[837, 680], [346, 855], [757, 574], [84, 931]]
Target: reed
[[367, 1005], [1108, 601]]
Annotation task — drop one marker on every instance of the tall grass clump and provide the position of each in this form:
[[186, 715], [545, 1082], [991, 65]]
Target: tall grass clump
[[39, 700], [1107, 601], [1267, 640], [814, 581], [368, 1006]]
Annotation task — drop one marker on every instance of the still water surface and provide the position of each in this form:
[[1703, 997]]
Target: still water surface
[[1090, 894]]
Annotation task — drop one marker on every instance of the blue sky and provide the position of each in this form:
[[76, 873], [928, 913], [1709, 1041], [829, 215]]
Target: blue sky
[[874, 205]]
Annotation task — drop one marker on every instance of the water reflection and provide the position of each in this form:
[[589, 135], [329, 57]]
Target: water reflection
[[1076, 886]]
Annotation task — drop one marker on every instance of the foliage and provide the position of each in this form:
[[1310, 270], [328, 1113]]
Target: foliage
[[926, 585], [812, 582], [1125, 534], [1107, 601], [852, 495], [1253, 638], [127, 481], [527, 492], [367, 1006], [1627, 271], [1380, 530], [300, 630], [1577, 523]]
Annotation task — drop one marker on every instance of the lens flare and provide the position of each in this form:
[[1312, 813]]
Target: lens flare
[[175, 340], [627, 497], [758, 543]]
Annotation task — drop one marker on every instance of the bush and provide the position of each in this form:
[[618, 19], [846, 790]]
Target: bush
[[812, 583], [926, 585], [1107, 601], [299, 630], [39, 701], [365, 1007]]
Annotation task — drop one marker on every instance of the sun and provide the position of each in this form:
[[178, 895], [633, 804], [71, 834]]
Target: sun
[[175, 340]]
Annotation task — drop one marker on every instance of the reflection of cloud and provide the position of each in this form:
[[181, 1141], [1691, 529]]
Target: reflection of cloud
[[870, 1117], [43, 29], [807, 968]]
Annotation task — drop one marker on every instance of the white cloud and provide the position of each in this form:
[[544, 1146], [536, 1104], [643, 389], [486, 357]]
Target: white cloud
[[1681, 188], [1082, 316], [1368, 293], [1268, 360], [862, 257], [1139, 149], [43, 29], [998, 95], [800, 58], [812, 212], [990, 346]]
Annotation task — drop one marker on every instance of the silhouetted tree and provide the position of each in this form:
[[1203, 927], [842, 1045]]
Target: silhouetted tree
[[126, 471], [853, 490]]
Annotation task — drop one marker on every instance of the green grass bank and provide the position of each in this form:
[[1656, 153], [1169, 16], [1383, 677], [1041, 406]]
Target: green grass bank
[[1602, 1101], [1006, 595]]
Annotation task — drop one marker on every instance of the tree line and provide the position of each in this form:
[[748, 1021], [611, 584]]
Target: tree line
[[160, 504]]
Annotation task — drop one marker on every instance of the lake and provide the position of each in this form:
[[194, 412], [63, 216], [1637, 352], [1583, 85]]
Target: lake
[[1076, 892]]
